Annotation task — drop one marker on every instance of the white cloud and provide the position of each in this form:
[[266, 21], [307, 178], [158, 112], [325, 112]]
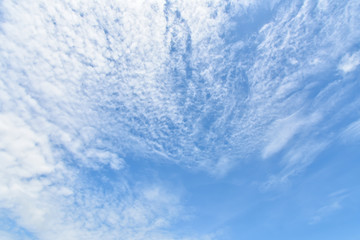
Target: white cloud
[[351, 132], [323, 5], [283, 130], [124, 81], [349, 62], [222, 166], [26, 155], [94, 156], [83, 84], [279, 90], [51, 201]]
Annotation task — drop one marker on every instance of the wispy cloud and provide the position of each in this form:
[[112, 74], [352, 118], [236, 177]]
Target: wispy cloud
[[293, 54], [351, 132], [334, 204], [295, 162], [349, 62], [283, 130]]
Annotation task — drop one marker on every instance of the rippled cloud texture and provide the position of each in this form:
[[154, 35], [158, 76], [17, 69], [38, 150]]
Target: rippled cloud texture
[[99, 99]]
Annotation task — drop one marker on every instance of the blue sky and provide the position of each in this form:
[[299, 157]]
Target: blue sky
[[175, 120]]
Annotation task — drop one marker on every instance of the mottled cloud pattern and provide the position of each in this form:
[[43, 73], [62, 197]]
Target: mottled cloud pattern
[[84, 85]]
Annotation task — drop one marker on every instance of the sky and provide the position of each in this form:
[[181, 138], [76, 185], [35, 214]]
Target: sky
[[179, 120]]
